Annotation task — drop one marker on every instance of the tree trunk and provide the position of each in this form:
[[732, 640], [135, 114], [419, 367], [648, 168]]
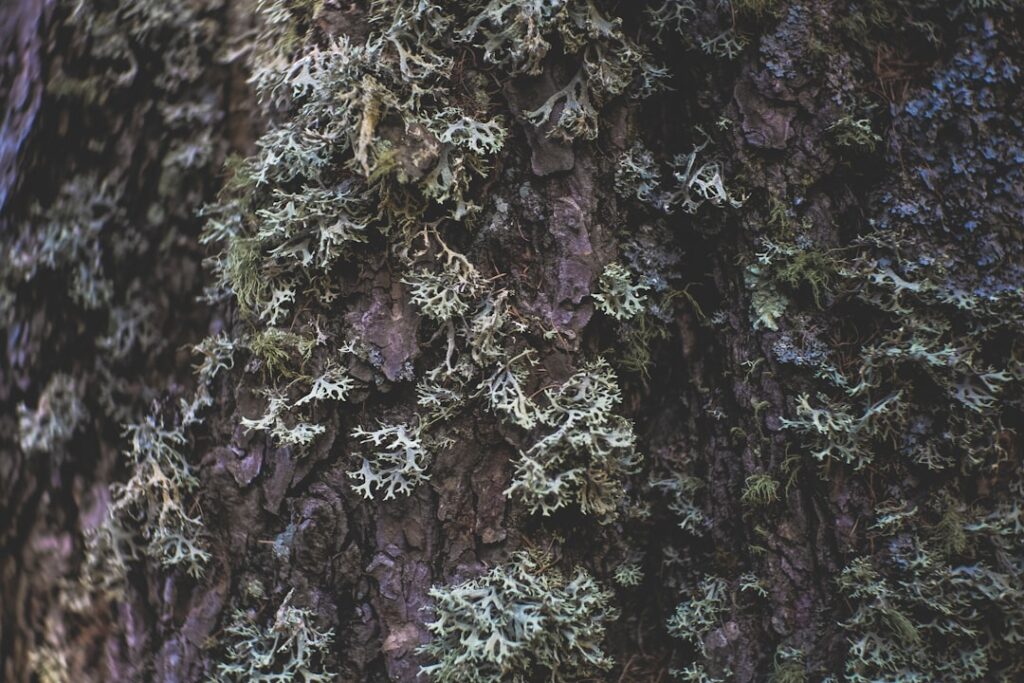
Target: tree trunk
[[514, 341]]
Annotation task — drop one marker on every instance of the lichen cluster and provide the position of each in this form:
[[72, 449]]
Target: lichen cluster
[[150, 515], [289, 648], [519, 618], [381, 148], [377, 148], [896, 345], [97, 241]]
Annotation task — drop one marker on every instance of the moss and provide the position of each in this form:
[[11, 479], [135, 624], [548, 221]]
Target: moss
[[788, 666], [281, 351], [815, 269], [760, 490], [636, 339], [756, 7], [853, 132], [49, 664]]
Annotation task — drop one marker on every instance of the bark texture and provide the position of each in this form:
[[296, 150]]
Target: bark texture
[[774, 245]]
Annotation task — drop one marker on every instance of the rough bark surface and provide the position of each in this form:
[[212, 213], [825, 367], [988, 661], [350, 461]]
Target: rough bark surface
[[824, 208]]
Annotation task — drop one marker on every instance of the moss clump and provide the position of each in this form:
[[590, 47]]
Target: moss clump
[[849, 131], [283, 353], [788, 666], [760, 490]]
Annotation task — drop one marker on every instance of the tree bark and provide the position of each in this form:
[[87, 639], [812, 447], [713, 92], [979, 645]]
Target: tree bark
[[825, 374]]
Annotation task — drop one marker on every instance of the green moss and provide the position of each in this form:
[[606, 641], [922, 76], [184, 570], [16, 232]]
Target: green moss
[[760, 490], [815, 269], [636, 338], [282, 353], [788, 666], [49, 664], [756, 7], [853, 132]]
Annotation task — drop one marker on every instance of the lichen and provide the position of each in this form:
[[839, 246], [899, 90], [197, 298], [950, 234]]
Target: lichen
[[620, 296], [289, 648], [584, 451], [398, 464], [57, 416], [519, 617]]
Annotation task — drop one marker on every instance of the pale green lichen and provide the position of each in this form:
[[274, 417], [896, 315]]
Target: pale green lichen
[[695, 180], [397, 465], [505, 391], [842, 434], [57, 416], [682, 490], [585, 449], [521, 617], [695, 673], [767, 303], [696, 617], [923, 606], [151, 515], [290, 648], [286, 429], [629, 574], [620, 296], [157, 495]]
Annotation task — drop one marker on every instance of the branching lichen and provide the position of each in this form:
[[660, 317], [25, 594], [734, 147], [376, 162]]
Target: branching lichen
[[291, 648], [397, 466], [586, 449], [57, 416], [620, 296], [518, 618]]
